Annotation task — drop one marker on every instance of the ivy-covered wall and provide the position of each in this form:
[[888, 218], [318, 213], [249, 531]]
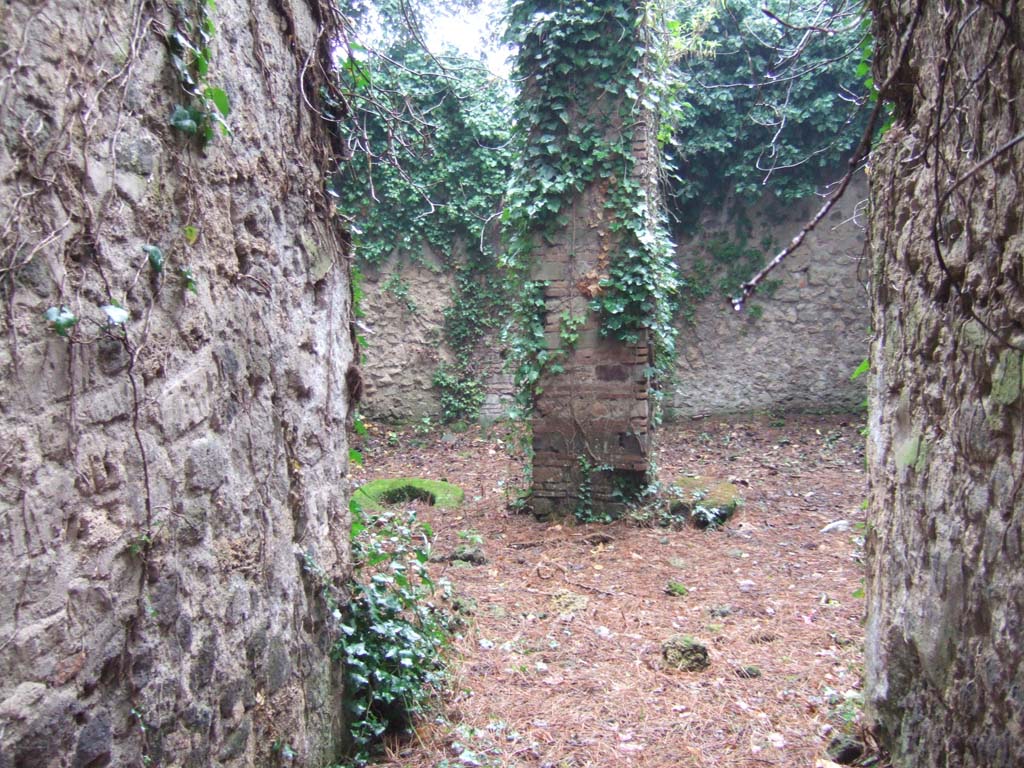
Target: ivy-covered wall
[[792, 349]]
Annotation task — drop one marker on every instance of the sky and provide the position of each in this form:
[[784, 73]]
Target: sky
[[476, 34]]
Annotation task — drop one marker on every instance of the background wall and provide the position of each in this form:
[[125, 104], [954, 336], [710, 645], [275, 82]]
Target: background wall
[[798, 354], [404, 332], [812, 330]]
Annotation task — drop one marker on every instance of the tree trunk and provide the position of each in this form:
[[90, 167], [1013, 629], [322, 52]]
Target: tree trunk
[[945, 639], [171, 480]]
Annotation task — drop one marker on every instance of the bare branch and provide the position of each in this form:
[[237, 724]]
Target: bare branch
[[859, 155]]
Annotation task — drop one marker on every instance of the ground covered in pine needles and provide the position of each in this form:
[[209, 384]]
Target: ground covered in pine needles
[[559, 663]]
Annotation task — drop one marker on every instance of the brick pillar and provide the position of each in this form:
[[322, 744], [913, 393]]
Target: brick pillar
[[592, 416], [592, 420]]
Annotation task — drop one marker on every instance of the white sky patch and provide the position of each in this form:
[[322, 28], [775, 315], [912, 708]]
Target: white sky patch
[[476, 34]]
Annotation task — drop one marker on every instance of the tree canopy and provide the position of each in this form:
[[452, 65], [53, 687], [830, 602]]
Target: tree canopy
[[769, 96]]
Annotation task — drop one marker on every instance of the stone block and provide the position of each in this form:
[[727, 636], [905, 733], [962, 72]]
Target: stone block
[[186, 401], [613, 373], [95, 742], [207, 465], [106, 405]]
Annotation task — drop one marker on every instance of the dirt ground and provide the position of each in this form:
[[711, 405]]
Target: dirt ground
[[560, 663]]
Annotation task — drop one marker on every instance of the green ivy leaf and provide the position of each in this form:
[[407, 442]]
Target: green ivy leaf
[[183, 119], [61, 320], [202, 63], [206, 133], [116, 314], [191, 234], [220, 99], [861, 369], [189, 278], [156, 257]]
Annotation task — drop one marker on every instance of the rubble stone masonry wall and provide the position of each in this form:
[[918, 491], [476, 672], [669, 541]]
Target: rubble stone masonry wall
[[172, 488], [797, 355]]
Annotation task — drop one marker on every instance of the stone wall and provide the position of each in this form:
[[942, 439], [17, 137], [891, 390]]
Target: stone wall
[[172, 487], [944, 639], [797, 349], [797, 355], [404, 332]]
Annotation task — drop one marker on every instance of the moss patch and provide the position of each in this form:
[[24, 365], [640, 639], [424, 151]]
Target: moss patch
[[707, 501], [685, 653], [401, 490], [913, 452], [1008, 377], [973, 334]]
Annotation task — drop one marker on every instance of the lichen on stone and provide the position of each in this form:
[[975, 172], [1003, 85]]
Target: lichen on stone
[[1008, 377]]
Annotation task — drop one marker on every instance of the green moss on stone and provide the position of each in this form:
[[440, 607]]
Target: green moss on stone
[[711, 492], [380, 493], [913, 452], [973, 334], [685, 653], [1008, 377], [707, 502]]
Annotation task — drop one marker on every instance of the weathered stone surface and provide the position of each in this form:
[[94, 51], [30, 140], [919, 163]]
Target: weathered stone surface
[[95, 744], [810, 335], [945, 590], [161, 481], [405, 338], [207, 466]]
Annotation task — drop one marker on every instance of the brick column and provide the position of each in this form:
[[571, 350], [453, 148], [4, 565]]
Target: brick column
[[592, 420]]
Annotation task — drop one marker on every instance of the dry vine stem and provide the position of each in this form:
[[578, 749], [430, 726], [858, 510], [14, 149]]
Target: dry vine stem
[[859, 155]]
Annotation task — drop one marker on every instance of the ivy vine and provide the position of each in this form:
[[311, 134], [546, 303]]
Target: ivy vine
[[433, 150], [588, 71], [189, 41]]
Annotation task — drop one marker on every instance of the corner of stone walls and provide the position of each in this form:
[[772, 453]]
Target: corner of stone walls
[[798, 348]]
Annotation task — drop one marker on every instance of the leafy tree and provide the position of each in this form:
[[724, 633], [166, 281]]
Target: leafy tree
[[430, 138]]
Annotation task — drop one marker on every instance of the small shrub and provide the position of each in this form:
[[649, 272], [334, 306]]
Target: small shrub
[[461, 394], [584, 510], [392, 634], [677, 589]]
